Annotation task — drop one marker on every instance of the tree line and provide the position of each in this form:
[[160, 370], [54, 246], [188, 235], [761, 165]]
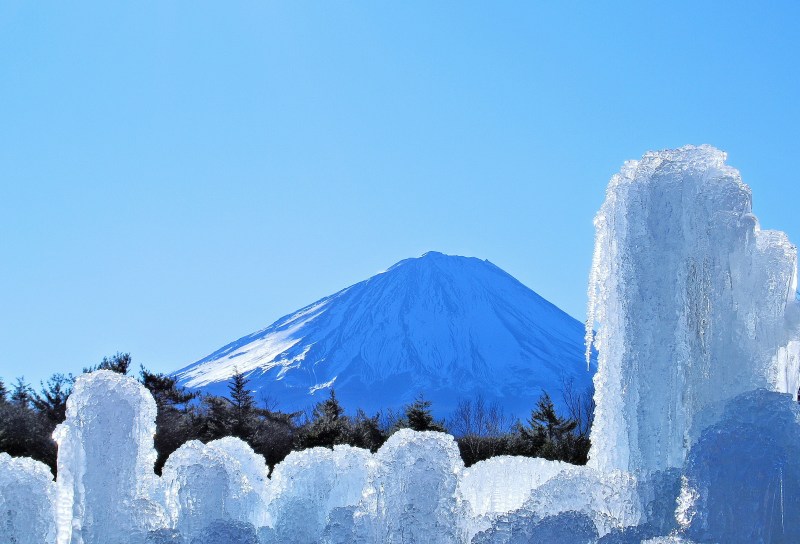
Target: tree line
[[28, 419]]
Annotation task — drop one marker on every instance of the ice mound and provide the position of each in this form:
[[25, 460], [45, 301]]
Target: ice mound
[[521, 528], [254, 469], [691, 298], [105, 462], [308, 485], [410, 495], [203, 483], [27, 497], [742, 479], [501, 484]]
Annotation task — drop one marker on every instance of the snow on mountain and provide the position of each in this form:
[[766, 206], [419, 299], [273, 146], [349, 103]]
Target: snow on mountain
[[445, 326]]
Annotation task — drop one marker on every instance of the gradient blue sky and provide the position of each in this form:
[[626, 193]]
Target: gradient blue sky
[[174, 175]]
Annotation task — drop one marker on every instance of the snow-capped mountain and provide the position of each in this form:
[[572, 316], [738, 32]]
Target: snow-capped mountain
[[445, 326]]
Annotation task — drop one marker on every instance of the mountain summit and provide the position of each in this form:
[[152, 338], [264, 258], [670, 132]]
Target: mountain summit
[[445, 326]]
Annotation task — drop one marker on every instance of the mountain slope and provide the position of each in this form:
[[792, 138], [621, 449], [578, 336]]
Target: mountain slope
[[449, 327]]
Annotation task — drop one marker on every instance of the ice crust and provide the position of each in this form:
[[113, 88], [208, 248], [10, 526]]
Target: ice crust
[[695, 440]]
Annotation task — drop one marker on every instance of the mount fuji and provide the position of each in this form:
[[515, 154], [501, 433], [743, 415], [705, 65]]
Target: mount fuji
[[444, 326]]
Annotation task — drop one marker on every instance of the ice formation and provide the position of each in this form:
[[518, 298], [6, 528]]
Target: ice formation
[[742, 480], [692, 301], [410, 495], [106, 484], [308, 485], [695, 438], [27, 509], [204, 483], [501, 484]]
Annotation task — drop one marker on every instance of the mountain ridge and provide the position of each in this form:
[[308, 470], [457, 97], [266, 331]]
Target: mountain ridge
[[449, 327]]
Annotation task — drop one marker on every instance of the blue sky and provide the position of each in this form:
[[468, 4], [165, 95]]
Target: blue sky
[[174, 175]]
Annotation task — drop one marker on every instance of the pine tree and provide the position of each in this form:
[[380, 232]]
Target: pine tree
[[22, 393], [328, 426], [165, 389], [367, 432], [418, 416], [243, 406], [119, 363], [173, 418], [51, 402], [547, 434], [3, 393]]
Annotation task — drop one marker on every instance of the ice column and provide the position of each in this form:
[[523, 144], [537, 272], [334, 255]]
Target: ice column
[[694, 304], [105, 462]]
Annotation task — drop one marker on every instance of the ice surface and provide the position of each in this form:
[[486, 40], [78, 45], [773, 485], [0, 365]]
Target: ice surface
[[254, 469], [742, 480], [691, 298], [411, 492], [105, 462], [27, 496], [203, 483], [227, 532], [501, 484], [308, 485], [522, 527], [610, 500]]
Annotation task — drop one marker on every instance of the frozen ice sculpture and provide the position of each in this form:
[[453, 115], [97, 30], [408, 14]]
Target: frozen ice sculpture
[[694, 303]]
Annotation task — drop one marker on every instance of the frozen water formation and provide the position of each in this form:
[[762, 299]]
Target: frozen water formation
[[106, 486], [695, 439], [695, 305], [27, 509]]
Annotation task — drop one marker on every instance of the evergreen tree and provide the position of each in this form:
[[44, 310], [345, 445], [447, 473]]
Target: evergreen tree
[[165, 389], [51, 402], [23, 431], [3, 393], [173, 420], [119, 362], [367, 432], [22, 394], [328, 426], [547, 434], [418, 417], [243, 406]]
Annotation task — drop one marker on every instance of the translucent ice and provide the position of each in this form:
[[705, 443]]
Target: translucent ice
[[308, 485], [203, 483], [501, 484], [27, 495], [522, 527], [227, 532], [254, 469], [411, 492], [691, 298], [610, 500], [105, 462], [742, 480]]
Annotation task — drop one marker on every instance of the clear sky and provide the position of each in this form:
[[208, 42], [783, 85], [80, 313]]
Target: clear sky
[[174, 175]]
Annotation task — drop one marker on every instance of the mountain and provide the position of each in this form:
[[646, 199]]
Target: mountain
[[445, 326]]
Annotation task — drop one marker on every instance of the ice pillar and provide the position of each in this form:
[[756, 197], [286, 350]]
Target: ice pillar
[[693, 303]]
